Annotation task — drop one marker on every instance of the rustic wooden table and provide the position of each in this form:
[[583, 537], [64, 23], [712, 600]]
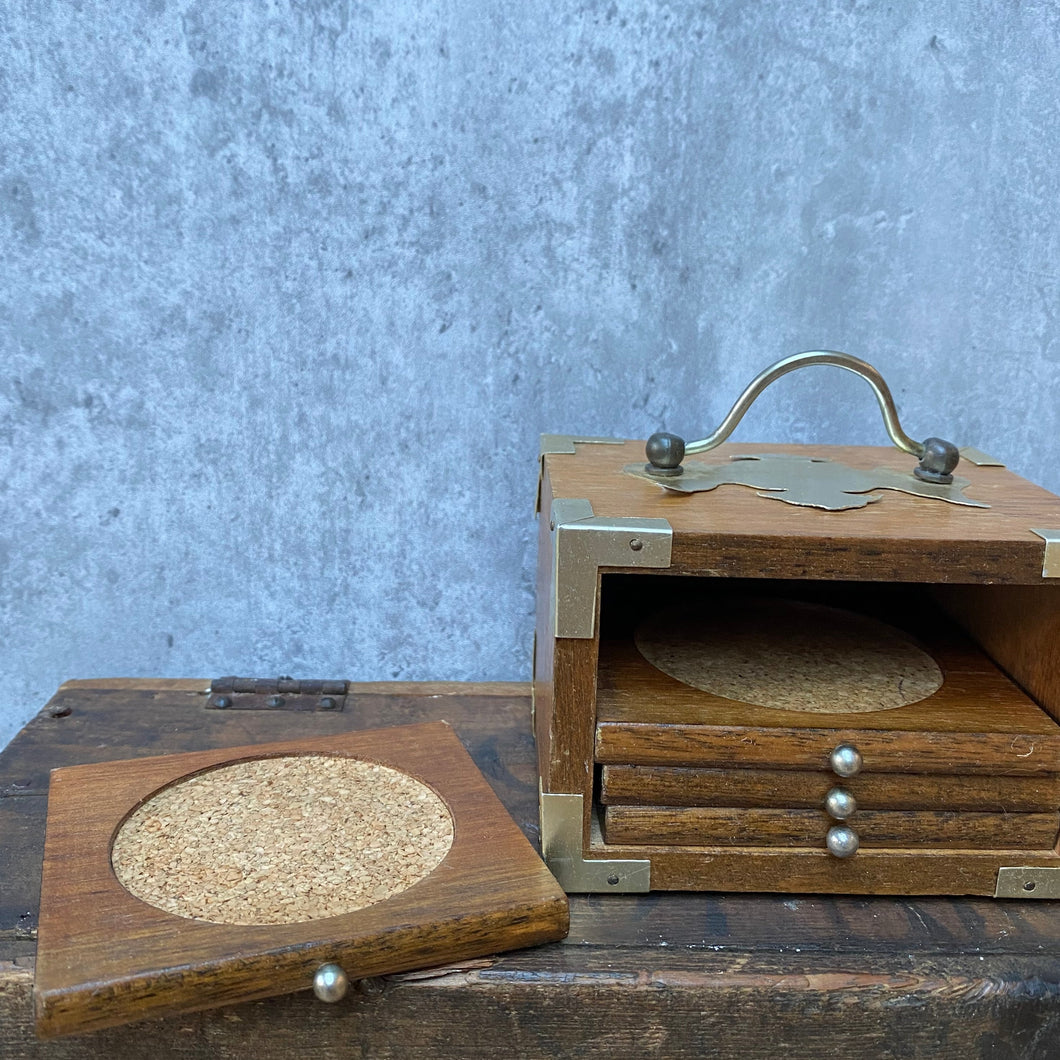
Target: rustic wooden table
[[658, 975]]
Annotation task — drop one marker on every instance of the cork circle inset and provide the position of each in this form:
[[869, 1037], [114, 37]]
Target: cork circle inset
[[789, 655], [282, 840]]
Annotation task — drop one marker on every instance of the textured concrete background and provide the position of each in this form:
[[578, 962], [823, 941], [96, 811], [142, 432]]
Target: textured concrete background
[[289, 288]]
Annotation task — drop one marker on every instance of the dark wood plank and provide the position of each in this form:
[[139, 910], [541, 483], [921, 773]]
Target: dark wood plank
[[651, 975], [610, 1003], [21, 850]]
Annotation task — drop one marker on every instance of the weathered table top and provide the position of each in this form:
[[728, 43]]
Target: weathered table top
[[655, 975]]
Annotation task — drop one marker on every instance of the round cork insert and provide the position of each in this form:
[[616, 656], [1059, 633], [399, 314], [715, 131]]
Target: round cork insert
[[282, 840], [789, 655]]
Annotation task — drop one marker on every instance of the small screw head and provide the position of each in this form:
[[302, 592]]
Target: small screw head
[[330, 983], [845, 760], [842, 842], [222, 702], [636, 544], [327, 703], [274, 701], [613, 880], [840, 804], [60, 711]]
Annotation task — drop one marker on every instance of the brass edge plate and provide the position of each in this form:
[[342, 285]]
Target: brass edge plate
[[978, 457], [1051, 559], [582, 543], [564, 444], [1027, 882], [561, 847]]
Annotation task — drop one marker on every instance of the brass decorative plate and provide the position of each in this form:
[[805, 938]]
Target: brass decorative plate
[[809, 482]]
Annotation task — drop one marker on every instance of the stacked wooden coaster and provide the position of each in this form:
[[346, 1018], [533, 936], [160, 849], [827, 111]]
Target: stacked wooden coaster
[[779, 723]]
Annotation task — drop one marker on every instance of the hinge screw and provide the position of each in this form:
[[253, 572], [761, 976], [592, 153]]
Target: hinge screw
[[636, 544], [327, 703], [222, 702], [274, 701]]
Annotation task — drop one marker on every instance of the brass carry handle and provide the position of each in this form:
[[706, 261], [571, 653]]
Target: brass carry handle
[[937, 457]]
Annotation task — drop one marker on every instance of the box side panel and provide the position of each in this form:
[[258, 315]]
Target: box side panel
[[1019, 628], [564, 677]]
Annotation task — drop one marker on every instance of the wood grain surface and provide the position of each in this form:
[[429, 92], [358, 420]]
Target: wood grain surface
[[105, 957], [714, 826], [1019, 626], [659, 975], [804, 789]]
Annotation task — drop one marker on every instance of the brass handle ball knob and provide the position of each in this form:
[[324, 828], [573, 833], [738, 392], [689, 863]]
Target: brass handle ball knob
[[665, 453], [937, 461]]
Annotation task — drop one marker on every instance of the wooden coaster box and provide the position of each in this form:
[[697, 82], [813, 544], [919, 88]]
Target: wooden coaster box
[[734, 693]]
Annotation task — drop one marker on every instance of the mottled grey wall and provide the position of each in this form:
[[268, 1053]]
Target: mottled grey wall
[[289, 289]]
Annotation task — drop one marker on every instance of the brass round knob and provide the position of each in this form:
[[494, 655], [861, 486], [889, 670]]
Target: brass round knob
[[937, 461], [842, 842], [840, 804], [665, 453], [330, 983], [845, 760]]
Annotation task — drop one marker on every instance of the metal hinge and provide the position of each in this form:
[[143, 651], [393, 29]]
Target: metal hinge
[[276, 693]]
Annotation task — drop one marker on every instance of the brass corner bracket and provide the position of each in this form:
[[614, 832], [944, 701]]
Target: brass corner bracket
[[1028, 881], [561, 847], [1051, 559], [582, 543]]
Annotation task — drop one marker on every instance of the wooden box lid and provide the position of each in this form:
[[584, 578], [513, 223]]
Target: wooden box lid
[[731, 531], [107, 957]]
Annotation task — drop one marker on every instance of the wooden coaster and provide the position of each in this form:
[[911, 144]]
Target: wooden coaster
[[106, 956], [789, 655], [282, 840]]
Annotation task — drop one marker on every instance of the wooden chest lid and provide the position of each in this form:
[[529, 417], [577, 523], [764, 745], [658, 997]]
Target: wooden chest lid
[[128, 928], [732, 531]]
